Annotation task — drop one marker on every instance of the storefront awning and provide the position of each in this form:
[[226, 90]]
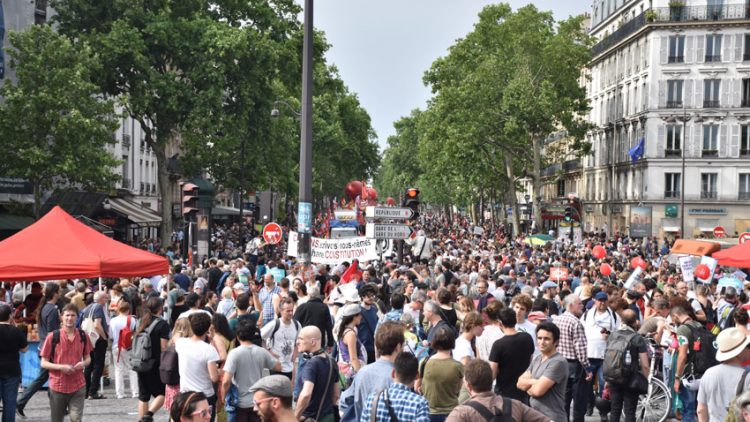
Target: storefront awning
[[135, 212]]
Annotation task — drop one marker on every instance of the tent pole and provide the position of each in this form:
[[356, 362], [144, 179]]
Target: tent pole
[[100, 283]]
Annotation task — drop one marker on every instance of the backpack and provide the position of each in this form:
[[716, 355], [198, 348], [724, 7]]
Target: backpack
[[169, 366], [615, 369], [56, 341], [125, 339], [732, 414], [277, 325], [504, 415], [702, 351], [142, 358]]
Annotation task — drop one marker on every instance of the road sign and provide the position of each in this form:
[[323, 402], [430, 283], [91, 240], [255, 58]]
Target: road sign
[[744, 237], [389, 213], [719, 231], [272, 233], [388, 231]]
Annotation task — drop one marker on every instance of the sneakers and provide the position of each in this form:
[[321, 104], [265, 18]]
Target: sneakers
[[96, 396], [146, 418]]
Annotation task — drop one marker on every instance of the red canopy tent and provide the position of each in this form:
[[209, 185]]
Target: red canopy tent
[[736, 256], [59, 247]]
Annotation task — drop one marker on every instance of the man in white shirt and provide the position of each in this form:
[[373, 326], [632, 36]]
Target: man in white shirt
[[198, 359], [598, 323], [280, 337], [122, 355]]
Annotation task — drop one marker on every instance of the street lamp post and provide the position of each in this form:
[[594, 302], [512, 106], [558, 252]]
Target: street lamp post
[[304, 208]]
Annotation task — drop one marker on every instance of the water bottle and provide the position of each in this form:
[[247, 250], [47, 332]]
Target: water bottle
[[628, 359]]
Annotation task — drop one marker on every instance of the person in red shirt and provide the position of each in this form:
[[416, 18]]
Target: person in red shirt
[[65, 362]]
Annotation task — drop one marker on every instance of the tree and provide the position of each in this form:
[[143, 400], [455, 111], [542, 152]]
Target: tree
[[401, 167], [173, 63], [55, 125]]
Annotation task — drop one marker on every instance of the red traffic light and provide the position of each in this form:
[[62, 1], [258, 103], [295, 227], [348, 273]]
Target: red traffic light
[[412, 192]]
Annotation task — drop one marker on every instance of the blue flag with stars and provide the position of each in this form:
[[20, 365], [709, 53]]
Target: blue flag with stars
[[637, 151]]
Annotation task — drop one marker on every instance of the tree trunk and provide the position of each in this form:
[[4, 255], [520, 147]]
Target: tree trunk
[[165, 188], [537, 177], [512, 194]]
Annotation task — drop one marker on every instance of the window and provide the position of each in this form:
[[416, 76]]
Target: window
[[744, 192], [746, 55], [672, 185], [674, 141], [745, 141], [561, 188], [710, 140], [674, 93], [746, 92], [713, 48], [711, 93], [676, 49], [708, 185]]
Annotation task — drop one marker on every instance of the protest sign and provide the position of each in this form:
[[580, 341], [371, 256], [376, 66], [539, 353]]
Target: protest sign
[[336, 251]]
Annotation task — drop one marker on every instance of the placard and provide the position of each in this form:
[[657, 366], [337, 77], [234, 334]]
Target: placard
[[558, 273], [635, 276], [336, 251], [711, 263], [687, 266]]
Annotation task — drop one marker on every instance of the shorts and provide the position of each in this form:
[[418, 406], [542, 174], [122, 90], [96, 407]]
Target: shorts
[[149, 385]]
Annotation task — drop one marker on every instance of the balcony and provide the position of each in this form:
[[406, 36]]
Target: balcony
[[711, 104], [125, 141], [674, 104], [624, 31], [671, 153], [710, 153], [676, 59], [713, 58], [743, 195], [708, 195], [671, 194]]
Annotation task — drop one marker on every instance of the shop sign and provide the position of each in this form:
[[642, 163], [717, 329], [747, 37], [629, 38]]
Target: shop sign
[[707, 211]]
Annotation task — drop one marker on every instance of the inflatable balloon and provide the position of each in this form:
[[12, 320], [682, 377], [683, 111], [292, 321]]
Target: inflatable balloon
[[599, 252], [702, 271], [638, 262], [372, 193], [390, 201], [605, 269], [353, 189]]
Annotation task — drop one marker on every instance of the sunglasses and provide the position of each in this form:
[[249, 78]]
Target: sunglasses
[[204, 413]]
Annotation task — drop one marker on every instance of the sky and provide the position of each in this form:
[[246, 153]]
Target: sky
[[383, 47]]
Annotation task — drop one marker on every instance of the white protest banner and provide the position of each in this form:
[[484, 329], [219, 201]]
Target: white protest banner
[[686, 264], [635, 276], [336, 251], [711, 264], [740, 275]]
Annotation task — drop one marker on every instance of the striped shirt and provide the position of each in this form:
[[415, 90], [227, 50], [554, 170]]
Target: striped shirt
[[573, 344], [266, 299], [406, 404]]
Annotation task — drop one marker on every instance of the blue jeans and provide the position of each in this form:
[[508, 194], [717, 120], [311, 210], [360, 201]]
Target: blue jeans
[[576, 392], [8, 393], [438, 418], [689, 404]]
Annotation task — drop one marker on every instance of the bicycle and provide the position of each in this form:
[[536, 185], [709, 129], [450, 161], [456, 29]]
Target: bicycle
[[655, 405]]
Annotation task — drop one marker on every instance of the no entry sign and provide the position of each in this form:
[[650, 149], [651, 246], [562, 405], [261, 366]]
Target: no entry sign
[[719, 231], [744, 237], [272, 233]]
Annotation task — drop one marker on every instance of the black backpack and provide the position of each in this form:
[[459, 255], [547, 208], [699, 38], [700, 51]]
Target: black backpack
[[169, 366], [505, 415], [56, 341], [615, 368], [702, 351]]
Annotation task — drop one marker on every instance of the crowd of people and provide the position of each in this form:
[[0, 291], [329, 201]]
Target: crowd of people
[[469, 326]]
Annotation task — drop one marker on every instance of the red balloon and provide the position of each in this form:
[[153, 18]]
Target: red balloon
[[599, 252], [390, 201], [605, 269], [638, 262], [353, 189], [702, 271], [372, 193]]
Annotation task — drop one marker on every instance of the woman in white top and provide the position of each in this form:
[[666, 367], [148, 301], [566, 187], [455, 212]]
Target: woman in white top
[[492, 331], [472, 326]]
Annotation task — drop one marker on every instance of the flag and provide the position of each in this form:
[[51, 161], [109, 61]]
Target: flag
[[352, 273], [637, 151]]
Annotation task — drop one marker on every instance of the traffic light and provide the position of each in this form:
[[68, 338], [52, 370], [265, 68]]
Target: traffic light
[[568, 214], [189, 200], [411, 200]]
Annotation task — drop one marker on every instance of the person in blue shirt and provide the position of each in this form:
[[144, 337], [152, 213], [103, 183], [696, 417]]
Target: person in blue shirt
[[366, 329], [405, 404]]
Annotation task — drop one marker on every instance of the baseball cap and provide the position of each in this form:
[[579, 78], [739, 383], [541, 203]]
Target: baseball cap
[[273, 385], [601, 296], [548, 284]]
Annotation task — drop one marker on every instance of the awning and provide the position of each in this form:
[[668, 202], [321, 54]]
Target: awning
[[670, 229], [228, 211], [135, 212], [694, 247]]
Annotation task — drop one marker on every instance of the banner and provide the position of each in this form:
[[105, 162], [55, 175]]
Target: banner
[[711, 263], [635, 276], [640, 221], [687, 266], [558, 273], [336, 251]]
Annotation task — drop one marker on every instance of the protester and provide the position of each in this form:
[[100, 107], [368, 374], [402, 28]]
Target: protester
[[574, 347], [97, 311], [13, 342], [722, 383], [65, 353], [546, 379], [623, 397], [272, 398], [405, 404], [190, 406], [279, 337], [441, 375], [319, 389], [149, 382], [124, 324], [198, 360], [510, 357]]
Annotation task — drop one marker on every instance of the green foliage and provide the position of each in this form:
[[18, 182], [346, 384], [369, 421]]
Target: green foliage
[[55, 125]]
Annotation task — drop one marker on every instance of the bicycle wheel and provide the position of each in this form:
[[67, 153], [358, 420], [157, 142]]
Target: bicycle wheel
[[655, 405]]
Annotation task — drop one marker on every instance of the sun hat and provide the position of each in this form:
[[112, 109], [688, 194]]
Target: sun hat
[[731, 342], [351, 310]]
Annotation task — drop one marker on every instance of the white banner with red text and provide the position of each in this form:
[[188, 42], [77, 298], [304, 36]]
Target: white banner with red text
[[336, 251]]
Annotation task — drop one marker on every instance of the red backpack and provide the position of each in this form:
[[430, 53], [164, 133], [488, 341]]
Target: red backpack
[[125, 341]]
